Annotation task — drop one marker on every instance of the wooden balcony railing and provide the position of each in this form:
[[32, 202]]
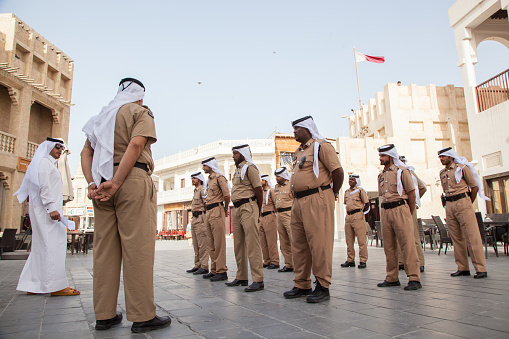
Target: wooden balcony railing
[[493, 91], [7, 142], [31, 148]]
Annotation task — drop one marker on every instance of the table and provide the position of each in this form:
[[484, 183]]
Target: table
[[88, 238], [73, 239]]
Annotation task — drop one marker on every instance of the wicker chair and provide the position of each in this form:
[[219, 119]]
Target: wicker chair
[[378, 228], [487, 235], [444, 234]]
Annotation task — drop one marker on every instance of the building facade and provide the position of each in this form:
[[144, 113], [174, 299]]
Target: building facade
[[35, 100], [487, 103]]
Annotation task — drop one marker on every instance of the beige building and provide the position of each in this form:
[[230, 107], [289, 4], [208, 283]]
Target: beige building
[[80, 209], [35, 93], [419, 120], [487, 101]]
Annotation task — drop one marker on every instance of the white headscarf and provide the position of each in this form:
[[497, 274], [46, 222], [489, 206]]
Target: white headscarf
[[283, 173], [199, 176], [212, 163], [30, 185], [267, 179], [309, 124], [458, 174], [246, 153], [358, 181], [100, 129], [391, 151]]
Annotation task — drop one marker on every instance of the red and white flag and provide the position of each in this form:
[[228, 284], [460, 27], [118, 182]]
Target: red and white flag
[[365, 57]]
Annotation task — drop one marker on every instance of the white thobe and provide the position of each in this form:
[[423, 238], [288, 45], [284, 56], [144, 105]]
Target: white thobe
[[44, 270]]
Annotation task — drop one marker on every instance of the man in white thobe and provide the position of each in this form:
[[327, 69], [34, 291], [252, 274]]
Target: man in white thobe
[[44, 271]]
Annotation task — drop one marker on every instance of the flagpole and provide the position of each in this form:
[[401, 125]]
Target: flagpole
[[357, 74]]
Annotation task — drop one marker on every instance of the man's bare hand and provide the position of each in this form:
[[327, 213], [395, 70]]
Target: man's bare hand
[[54, 215], [226, 212], [106, 190], [92, 191]]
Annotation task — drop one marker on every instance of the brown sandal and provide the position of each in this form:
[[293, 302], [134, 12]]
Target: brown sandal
[[66, 292]]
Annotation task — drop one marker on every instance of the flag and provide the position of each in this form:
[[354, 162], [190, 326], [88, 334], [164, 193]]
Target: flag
[[365, 57]]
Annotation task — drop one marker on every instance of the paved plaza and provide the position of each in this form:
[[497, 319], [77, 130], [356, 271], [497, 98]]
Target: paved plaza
[[445, 307]]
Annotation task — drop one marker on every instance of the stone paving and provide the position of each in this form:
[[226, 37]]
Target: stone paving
[[445, 307]]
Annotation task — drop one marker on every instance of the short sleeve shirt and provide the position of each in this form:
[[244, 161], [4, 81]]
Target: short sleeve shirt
[[449, 184], [217, 189], [387, 185], [271, 201], [198, 203], [244, 188], [284, 195], [303, 176], [356, 200], [133, 120]]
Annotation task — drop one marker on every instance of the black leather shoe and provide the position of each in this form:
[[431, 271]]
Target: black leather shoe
[[201, 271], [297, 292], [319, 294], [272, 266], [255, 286], [421, 268], [362, 265], [460, 273], [150, 325], [412, 286], [208, 275], [480, 275], [388, 284], [348, 264], [219, 277], [285, 269], [401, 267], [236, 282], [265, 265], [106, 324], [192, 270]]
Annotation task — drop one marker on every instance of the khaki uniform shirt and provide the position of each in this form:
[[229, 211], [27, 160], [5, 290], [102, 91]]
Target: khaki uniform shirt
[[387, 186], [284, 195], [198, 203], [304, 178], [244, 188], [133, 120], [357, 200], [217, 189], [449, 184], [271, 202]]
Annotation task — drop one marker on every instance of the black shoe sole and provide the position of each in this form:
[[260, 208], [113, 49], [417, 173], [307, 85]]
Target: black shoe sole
[[103, 327], [241, 284], [254, 290], [297, 296], [316, 301], [148, 329]]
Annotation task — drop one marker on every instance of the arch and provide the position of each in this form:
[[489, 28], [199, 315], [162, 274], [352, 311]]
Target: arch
[[498, 39], [41, 123], [5, 108]]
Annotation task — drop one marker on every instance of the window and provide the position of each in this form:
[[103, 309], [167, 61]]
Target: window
[[498, 191], [182, 183]]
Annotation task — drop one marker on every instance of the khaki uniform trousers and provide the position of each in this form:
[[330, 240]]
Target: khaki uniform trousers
[[397, 227], [313, 238], [216, 240], [464, 232], [268, 239], [246, 241], [418, 245], [199, 234], [124, 235], [355, 226], [285, 236]]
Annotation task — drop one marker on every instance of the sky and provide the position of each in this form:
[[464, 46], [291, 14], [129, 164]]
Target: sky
[[230, 69]]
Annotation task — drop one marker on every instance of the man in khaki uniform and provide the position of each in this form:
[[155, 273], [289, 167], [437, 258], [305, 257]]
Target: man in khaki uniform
[[315, 167], [268, 226], [247, 198], [284, 202], [397, 192], [217, 200], [198, 231], [117, 164], [458, 177], [356, 201], [418, 246]]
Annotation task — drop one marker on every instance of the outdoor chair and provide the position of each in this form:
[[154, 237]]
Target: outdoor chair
[[378, 228], [444, 234], [500, 233], [430, 233], [370, 233], [8, 240], [487, 235]]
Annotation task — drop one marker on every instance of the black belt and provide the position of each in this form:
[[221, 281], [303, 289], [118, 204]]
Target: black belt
[[197, 213], [267, 213], [353, 211], [389, 205], [136, 164], [211, 206], [456, 197], [279, 210], [241, 202], [303, 194]]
